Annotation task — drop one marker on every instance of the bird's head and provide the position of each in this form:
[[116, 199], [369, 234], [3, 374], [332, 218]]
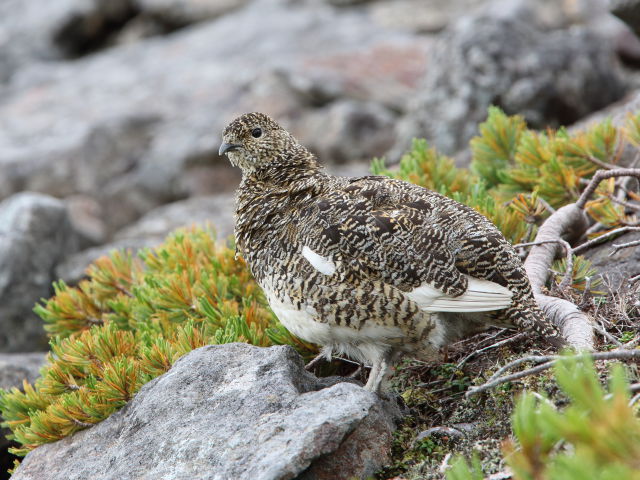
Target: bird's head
[[254, 140]]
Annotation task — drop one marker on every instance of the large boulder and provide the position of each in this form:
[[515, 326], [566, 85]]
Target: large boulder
[[35, 234], [229, 411], [550, 77]]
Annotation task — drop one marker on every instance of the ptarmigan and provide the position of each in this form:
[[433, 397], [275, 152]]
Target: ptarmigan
[[369, 267]]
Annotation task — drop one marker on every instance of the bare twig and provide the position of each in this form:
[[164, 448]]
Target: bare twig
[[546, 205], [600, 163], [444, 466], [346, 360], [605, 236], [607, 335], [520, 361], [495, 345], [81, 424], [482, 334], [595, 228], [495, 380], [122, 289], [357, 373], [574, 325], [620, 246], [634, 388], [514, 376], [542, 242], [601, 175], [630, 206]]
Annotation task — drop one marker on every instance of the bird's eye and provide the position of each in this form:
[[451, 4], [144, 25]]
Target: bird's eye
[[256, 132]]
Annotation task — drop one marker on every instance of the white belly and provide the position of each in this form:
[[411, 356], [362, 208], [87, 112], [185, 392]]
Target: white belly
[[304, 324], [366, 344], [300, 322]]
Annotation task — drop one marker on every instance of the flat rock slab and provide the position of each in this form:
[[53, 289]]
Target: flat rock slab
[[229, 412]]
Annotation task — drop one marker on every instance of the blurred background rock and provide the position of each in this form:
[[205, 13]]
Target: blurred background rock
[[111, 110]]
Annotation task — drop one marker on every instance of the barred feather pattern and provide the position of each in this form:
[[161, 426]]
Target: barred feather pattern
[[346, 252]]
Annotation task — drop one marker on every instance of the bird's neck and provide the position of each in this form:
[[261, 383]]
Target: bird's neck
[[267, 195], [295, 170]]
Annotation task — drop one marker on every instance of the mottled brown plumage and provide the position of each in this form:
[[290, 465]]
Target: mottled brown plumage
[[371, 267]]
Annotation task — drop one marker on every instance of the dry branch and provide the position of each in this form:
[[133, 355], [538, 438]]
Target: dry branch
[[549, 361], [574, 325], [605, 236], [620, 246], [603, 175], [501, 343]]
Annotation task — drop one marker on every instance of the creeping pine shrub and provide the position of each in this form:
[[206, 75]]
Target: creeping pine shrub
[[127, 324], [516, 172], [596, 436]]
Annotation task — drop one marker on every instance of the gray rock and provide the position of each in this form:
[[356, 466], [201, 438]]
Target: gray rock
[[35, 234], [617, 112], [74, 267], [628, 11], [348, 131], [346, 3], [620, 267], [86, 216], [16, 367], [215, 210], [422, 16], [39, 30], [429, 16], [185, 12], [550, 78], [229, 411]]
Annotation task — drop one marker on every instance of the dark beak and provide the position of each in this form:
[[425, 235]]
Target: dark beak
[[228, 147]]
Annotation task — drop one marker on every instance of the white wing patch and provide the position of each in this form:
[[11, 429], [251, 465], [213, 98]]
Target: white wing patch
[[481, 296], [320, 263]]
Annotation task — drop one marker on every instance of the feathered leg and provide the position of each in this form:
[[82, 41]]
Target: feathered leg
[[380, 371], [373, 375]]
